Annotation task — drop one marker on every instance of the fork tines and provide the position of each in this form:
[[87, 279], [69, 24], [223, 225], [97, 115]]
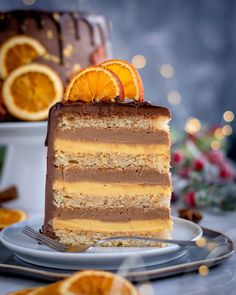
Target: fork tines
[[30, 232]]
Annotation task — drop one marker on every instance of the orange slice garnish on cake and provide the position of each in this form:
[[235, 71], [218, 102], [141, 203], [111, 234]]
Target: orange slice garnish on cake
[[94, 84], [129, 76], [9, 216], [30, 90], [17, 51], [96, 283]]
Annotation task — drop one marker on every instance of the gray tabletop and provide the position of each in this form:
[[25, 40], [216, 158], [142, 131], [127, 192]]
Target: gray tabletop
[[220, 279]]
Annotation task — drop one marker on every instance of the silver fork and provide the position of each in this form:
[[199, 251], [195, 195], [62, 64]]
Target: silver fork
[[55, 245]]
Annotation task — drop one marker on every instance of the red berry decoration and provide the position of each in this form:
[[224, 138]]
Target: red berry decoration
[[216, 157], [198, 164], [177, 157], [185, 172], [190, 199], [226, 172]]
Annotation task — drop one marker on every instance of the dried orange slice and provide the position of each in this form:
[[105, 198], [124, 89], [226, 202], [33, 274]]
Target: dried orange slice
[[9, 216], [96, 283], [22, 292], [30, 90], [94, 84], [89, 282], [129, 76], [52, 289], [17, 51]]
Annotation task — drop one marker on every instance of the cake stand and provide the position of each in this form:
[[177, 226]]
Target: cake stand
[[24, 163]]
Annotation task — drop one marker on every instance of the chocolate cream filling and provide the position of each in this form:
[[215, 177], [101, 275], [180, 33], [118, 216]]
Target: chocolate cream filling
[[113, 214], [114, 135], [141, 176]]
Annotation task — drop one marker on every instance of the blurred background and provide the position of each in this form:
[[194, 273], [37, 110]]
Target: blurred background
[[185, 50]]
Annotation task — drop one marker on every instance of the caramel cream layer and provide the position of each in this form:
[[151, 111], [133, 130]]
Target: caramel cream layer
[[147, 176], [113, 214], [92, 225], [114, 135], [109, 188], [100, 147]]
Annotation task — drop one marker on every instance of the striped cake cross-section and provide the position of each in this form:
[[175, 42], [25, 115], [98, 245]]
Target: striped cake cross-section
[[108, 172]]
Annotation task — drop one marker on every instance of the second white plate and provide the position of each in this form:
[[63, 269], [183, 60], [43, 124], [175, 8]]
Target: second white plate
[[101, 258]]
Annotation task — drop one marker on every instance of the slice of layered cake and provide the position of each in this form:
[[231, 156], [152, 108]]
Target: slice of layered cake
[[108, 166]]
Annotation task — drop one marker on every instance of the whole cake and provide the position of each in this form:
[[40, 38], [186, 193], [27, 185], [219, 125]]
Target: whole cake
[[108, 163], [64, 42]]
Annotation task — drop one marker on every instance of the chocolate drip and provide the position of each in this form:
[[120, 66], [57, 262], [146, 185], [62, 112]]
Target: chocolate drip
[[75, 17], [4, 21], [91, 27], [102, 33], [41, 21], [20, 24], [59, 26]]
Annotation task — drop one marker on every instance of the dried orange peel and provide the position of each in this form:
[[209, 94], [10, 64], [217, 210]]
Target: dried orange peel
[[96, 283], [129, 76], [30, 90], [17, 51], [94, 83], [88, 282], [52, 289], [9, 216], [22, 292]]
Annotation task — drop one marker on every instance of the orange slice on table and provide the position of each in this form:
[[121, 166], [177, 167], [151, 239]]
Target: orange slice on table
[[52, 289], [96, 283], [30, 90], [17, 51], [22, 292], [94, 84], [9, 216], [129, 76], [89, 282]]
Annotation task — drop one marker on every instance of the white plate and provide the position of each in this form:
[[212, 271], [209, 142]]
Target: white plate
[[101, 258]]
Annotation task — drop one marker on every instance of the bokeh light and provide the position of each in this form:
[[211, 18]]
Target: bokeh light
[[139, 61], [228, 116], [146, 289], [167, 71], [174, 97], [227, 130], [219, 134], [203, 270], [201, 242], [215, 145], [192, 125]]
